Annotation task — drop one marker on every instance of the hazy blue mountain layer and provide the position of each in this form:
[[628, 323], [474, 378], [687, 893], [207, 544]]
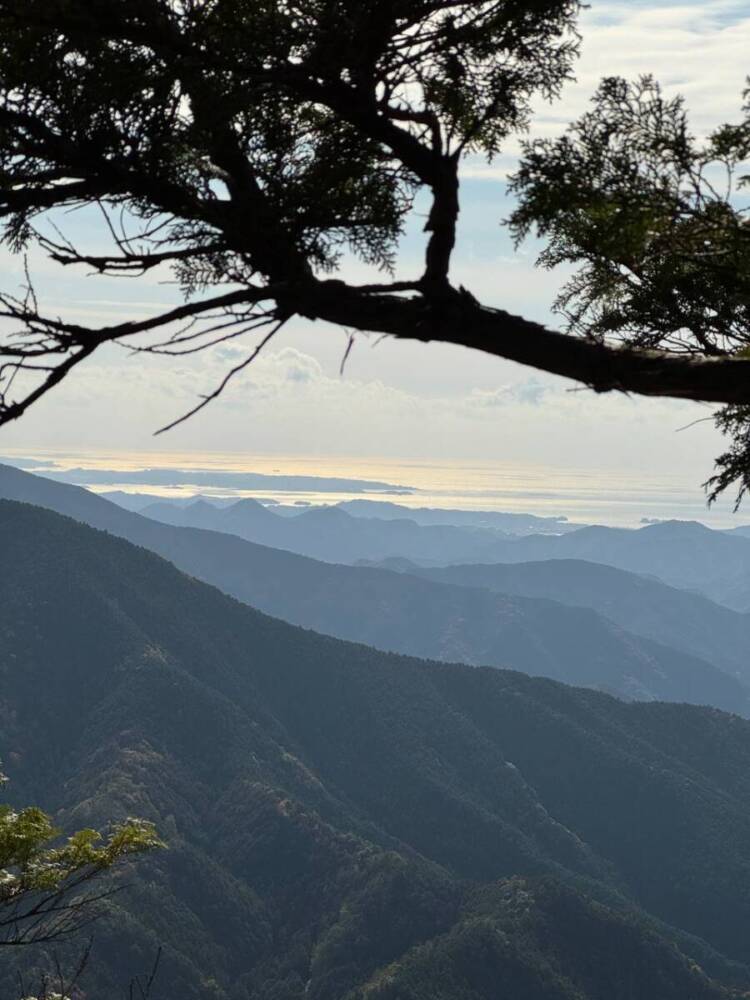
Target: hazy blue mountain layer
[[330, 533], [514, 524], [137, 501], [683, 554], [409, 615], [641, 604]]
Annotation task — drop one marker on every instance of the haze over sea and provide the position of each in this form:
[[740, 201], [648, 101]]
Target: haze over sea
[[618, 497]]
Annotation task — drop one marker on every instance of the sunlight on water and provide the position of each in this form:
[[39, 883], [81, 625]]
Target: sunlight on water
[[588, 495]]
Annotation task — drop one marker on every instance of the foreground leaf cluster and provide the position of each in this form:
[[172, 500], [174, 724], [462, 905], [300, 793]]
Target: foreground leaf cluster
[[45, 891]]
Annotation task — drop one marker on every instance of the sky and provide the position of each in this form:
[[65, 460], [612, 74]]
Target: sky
[[399, 401]]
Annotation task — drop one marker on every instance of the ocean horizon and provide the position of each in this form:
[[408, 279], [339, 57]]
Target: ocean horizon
[[585, 496]]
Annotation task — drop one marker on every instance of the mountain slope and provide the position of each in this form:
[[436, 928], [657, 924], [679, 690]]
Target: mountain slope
[[407, 615], [502, 946], [683, 554], [325, 803], [641, 604]]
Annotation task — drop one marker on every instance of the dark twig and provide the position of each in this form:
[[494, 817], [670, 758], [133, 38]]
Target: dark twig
[[226, 380]]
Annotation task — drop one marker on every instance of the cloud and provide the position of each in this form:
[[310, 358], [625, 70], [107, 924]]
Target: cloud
[[287, 403], [697, 49], [530, 392], [298, 367]]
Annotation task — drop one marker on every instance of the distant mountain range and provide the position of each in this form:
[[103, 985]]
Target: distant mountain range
[[137, 501], [511, 523], [345, 824], [502, 521], [439, 620], [330, 533], [683, 554]]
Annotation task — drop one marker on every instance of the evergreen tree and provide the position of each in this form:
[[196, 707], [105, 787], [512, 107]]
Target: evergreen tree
[[249, 144]]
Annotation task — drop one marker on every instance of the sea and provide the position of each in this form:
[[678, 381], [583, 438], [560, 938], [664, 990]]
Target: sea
[[625, 498]]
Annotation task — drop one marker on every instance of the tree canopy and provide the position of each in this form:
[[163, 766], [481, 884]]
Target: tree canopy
[[251, 145]]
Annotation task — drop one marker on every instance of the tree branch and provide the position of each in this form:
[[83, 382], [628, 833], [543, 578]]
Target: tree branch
[[463, 321], [126, 261], [78, 342], [452, 317]]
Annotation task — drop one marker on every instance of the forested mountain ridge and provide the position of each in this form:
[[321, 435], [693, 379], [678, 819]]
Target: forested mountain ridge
[[408, 615], [643, 605], [326, 804], [683, 554]]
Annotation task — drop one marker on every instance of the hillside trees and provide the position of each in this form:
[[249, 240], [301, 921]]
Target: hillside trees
[[250, 145], [320, 795], [48, 888]]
